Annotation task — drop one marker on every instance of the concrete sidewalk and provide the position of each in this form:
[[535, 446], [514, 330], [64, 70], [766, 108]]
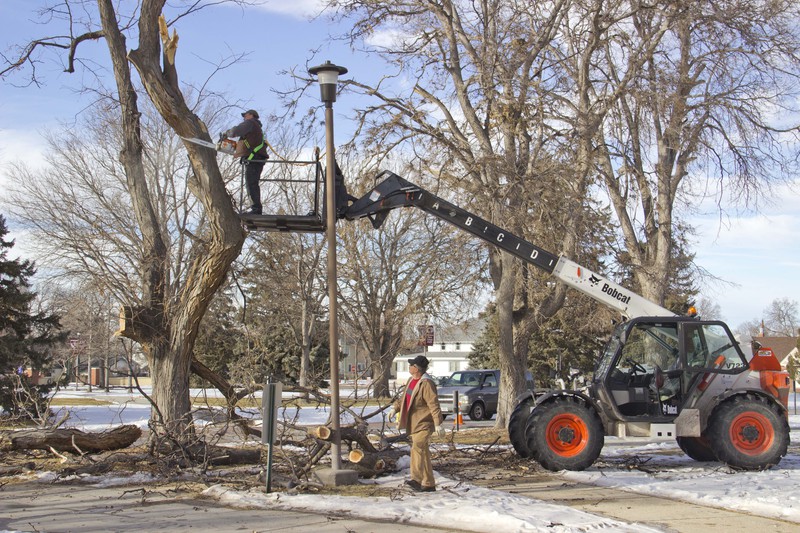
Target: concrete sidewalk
[[51, 508]]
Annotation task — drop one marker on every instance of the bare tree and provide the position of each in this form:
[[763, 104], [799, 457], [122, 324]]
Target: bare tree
[[479, 112], [522, 99], [412, 266], [782, 318], [704, 98], [708, 309], [161, 313]]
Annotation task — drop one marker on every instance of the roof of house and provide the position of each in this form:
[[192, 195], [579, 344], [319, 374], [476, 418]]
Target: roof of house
[[468, 331], [435, 356], [781, 346]]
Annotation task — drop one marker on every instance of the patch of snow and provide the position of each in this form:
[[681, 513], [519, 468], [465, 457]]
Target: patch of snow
[[454, 505]]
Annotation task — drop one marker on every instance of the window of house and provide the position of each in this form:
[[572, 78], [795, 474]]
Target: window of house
[[458, 346], [443, 346]]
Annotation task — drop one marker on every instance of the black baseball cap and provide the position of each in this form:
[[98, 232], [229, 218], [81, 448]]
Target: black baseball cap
[[419, 361], [251, 112]]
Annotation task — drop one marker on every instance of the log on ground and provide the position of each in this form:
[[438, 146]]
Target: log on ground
[[74, 440]]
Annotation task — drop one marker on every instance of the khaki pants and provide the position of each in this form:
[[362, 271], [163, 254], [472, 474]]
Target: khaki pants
[[421, 466]]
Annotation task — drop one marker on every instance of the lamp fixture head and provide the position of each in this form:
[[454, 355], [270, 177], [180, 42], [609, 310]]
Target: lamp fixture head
[[328, 77]]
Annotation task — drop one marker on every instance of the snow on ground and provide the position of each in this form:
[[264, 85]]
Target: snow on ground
[[454, 505], [669, 473], [771, 493]]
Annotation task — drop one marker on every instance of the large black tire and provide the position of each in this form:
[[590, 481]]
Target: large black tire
[[517, 423], [748, 432], [478, 411], [564, 434], [697, 448]]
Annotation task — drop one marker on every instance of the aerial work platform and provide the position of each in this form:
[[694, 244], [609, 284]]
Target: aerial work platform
[[313, 221]]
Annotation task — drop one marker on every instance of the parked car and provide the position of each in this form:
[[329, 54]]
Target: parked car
[[477, 392]]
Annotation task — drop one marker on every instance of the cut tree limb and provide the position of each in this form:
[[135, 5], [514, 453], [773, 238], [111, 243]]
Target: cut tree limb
[[369, 461], [70, 440], [349, 434]]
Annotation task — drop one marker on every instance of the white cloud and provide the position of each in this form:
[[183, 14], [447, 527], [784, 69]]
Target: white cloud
[[765, 233], [390, 38], [20, 146], [295, 8]]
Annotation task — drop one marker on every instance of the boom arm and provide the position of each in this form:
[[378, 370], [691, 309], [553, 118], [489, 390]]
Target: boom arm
[[395, 191]]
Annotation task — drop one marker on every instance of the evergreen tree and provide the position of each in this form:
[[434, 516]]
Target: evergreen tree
[[25, 336], [564, 342]]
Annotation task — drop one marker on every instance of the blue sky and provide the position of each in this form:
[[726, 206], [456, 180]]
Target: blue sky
[[758, 255]]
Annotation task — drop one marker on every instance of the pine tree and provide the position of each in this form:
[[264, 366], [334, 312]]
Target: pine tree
[[25, 336]]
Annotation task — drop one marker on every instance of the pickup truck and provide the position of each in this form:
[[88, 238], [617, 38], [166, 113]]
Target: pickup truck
[[477, 393]]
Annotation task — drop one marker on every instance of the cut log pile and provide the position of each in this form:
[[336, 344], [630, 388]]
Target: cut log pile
[[363, 457]]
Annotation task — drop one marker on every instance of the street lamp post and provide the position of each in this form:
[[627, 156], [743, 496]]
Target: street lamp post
[[328, 77]]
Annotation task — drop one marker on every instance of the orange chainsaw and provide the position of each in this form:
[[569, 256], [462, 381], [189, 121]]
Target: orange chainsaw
[[226, 146]]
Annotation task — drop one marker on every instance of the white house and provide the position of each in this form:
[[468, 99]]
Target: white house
[[448, 353]]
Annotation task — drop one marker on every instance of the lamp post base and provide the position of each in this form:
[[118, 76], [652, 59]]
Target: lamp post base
[[336, 478]]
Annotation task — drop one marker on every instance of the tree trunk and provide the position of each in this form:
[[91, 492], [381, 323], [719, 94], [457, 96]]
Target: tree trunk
[[380, 380], [503, 275], [168, 333], [170, 392], [305, 335], [73, 440]]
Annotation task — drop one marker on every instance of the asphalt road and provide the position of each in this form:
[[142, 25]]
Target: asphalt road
[[42, 507]]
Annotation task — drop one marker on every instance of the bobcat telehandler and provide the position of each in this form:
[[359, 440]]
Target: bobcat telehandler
[[659, 374]]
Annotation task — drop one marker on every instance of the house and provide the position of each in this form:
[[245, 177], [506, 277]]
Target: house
[[448, 352]]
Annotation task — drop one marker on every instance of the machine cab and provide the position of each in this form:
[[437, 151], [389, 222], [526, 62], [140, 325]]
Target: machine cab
[[652, 366]]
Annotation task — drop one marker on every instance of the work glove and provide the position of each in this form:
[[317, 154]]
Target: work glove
[[439, 430], [391, 414]]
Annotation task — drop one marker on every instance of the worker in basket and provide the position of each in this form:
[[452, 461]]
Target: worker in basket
[[252, 149]]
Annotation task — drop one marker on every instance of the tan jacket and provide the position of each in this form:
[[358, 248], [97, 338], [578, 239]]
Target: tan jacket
[[424, 412]]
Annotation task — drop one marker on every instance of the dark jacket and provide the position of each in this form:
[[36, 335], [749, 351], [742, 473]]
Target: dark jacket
[[250, 131]]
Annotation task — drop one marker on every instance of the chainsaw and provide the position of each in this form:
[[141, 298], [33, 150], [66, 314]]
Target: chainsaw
[[226, 146]]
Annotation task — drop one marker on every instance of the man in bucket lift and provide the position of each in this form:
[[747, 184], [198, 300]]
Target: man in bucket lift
[[252, 148]]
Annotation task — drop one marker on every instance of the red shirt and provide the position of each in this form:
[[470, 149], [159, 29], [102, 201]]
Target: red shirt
[[409, 392]]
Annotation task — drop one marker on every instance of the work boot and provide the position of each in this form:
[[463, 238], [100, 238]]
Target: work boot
[[253, 210], [414, 485]]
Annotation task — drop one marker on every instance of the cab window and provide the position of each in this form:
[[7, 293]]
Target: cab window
[[714, 349], [651, 345]]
